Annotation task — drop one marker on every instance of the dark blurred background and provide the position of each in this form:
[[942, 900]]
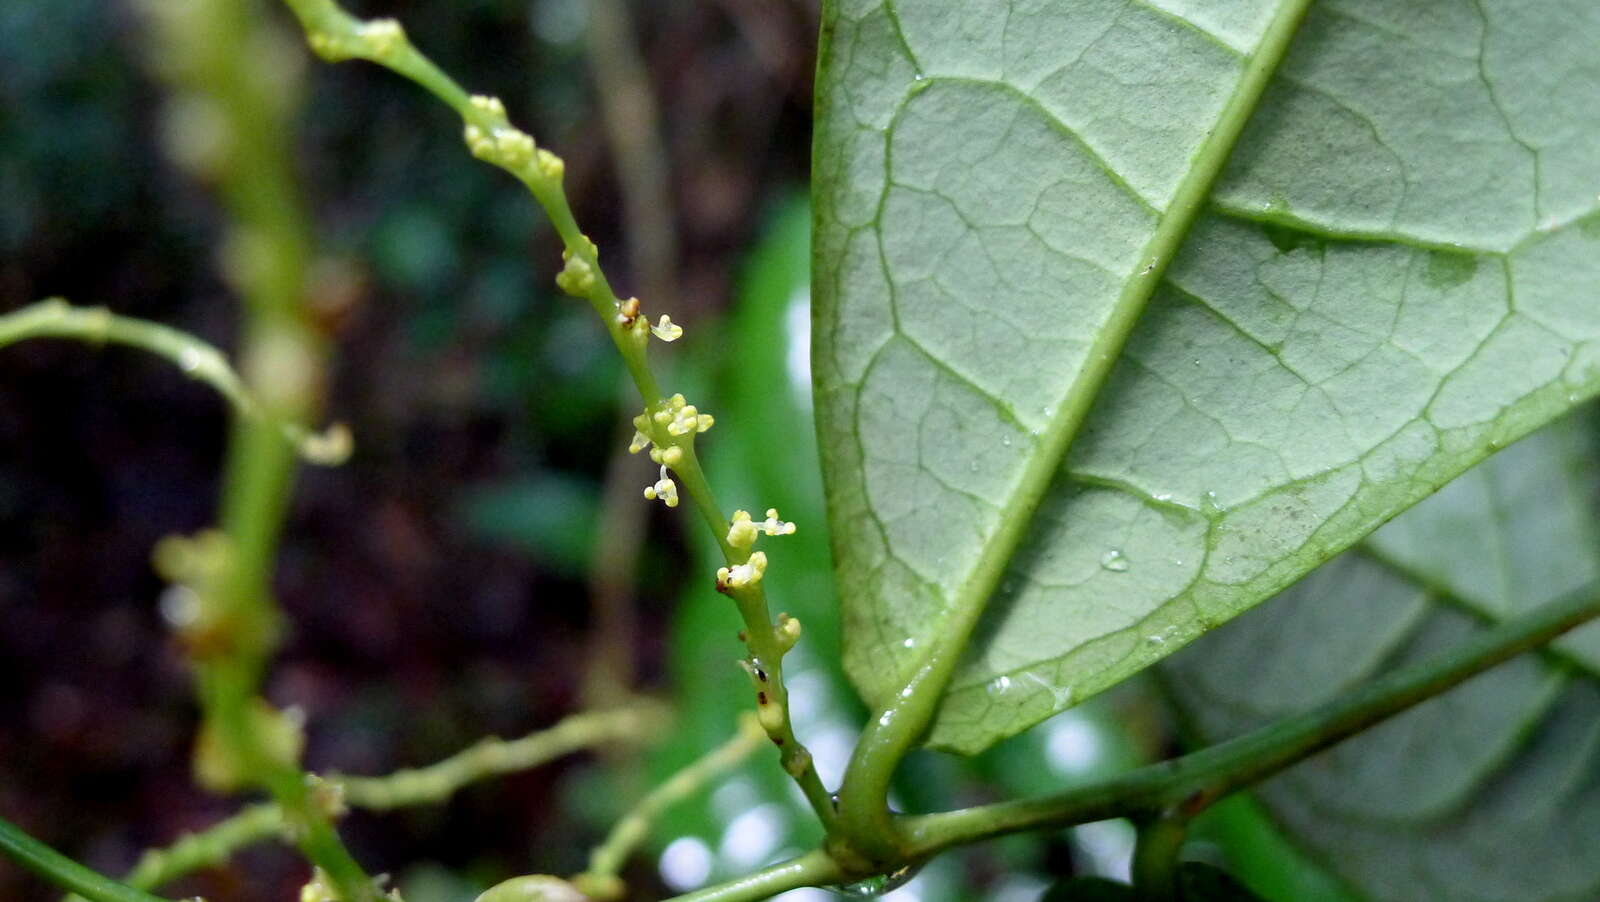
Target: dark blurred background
[[437, 582]]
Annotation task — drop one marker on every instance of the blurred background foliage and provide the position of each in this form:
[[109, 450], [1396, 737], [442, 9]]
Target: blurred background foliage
[[442, 585]]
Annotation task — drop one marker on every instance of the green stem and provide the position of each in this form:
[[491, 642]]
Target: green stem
[[864, 815], [1190, 784], [199, 360], [63, 871], [1155, 857], [421, 786], [600, 880], [815, 868], [494, 757], [336, 35], [214, 52]]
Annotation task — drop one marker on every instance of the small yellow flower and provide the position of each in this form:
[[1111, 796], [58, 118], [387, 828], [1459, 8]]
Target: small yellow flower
[[743, 530], [666, 329], [748, 573], [664, 489]]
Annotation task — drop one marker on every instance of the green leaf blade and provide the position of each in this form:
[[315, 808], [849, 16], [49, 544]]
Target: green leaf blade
[[1486, 792], [1329, 346]]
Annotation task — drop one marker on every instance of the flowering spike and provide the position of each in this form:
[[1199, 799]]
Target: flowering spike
[[667, 330]]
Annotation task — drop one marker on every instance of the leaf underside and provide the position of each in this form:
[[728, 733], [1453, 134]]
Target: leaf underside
[[1396, 275], [1488, 793]]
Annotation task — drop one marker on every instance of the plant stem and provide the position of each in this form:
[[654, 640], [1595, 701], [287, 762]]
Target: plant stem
[[1188, 785], [421, 786], [609, 857], [864, 816], [1155, 857], [221, 62], [199, 360], [493, 757], [63, 871], [815, 868], [336, 35]]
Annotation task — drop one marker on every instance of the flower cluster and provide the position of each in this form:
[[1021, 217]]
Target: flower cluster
[[680, 417], [741, 575], [742, 533], [380, 40]]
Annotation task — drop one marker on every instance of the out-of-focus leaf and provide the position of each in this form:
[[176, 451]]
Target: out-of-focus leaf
[[1396, 275], [1489, 793], [1199, 882]]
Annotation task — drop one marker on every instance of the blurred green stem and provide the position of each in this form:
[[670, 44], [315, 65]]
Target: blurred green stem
[[1155, 857], [600, 881], [336, 35], [229, 118], [199, 360], [635, 723], [63, 871]]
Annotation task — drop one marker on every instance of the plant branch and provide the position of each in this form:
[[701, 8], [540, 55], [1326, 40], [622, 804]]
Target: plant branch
[[815, 868], [199, 360], [865, 818], [668, 423], [63, 871], [434, 783], [600, 880], [231, 106], [1188, 785], [495, 757]]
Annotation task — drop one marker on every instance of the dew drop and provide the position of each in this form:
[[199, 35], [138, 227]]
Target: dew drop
[[1114, 561], [973, 466], [1162, 496], [1005, 440], [909, 643], [883, 883], [1210, 507], [189, 359], [999, 685]]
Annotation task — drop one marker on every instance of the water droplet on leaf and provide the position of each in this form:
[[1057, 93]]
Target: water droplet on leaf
[[999, 685], [1114, 561]]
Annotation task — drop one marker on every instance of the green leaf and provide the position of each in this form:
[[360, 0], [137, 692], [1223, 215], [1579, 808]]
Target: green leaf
[[1394, 276], [1200, 883], [1488, 793]]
